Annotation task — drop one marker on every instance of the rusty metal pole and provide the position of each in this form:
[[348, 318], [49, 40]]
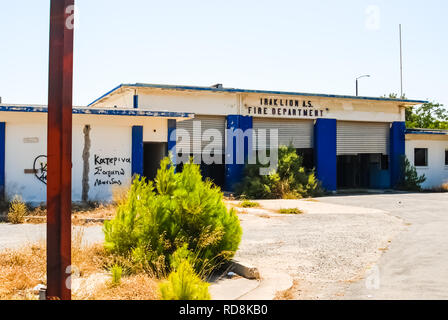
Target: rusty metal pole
[[59, 149]]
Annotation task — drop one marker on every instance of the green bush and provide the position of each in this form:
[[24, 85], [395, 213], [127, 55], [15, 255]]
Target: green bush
[[410, 181], [17, 211], [158, 218], [290, 181], [183, 283]]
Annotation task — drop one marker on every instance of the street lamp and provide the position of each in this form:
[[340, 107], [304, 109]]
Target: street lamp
[[364, 76]]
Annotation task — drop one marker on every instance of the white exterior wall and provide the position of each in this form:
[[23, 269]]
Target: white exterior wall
[[203, 103], [121, 99], [20, 156], [436, 172], [110, 137], [109, 143]]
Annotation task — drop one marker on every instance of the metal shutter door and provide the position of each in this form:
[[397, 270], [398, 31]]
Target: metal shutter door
[[362, 137], [207, 122], [299, 133]]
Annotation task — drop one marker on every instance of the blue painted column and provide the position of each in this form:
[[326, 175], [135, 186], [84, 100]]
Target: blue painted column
[[234, 170], [172, 124], [325, 152], [397, 151], [137, 150], [2, 159]]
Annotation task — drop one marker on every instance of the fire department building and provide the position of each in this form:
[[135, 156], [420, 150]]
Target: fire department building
[[352, 142]]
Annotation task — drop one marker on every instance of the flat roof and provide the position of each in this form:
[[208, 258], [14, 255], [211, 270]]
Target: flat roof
[[105, 112], [427, 131], [234, 90]]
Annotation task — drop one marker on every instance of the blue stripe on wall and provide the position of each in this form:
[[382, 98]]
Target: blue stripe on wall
[[2, 159], [137, 150], [325, 152], [397, 152], [105, 112], [234, 171], [172, 124]]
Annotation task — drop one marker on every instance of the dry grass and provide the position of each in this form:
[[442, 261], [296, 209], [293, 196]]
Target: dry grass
[[442, 188], [288, 294], [96, 215], [23, 269], [40, 211], [134, 287], [82, 214], [120, 194]]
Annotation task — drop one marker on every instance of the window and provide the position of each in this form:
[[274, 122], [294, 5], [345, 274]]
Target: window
[[421, 157], [446, 157]]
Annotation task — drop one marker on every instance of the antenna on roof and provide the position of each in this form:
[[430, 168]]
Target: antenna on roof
[[217, 86], [401, 63]]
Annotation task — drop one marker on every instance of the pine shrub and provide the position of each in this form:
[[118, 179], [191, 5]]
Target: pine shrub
[[183, 283], [159, 217], [290, 181], [410, 181]]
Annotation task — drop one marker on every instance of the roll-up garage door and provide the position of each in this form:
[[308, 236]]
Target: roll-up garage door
[[299, 133], [362, 137], [212, 128]]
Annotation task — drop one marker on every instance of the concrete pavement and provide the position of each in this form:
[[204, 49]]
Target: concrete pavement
[[324, 249], [416, 264]]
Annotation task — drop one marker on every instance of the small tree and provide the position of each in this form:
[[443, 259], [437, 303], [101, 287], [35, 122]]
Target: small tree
[[177, 209], [431, 115], [410, 181]]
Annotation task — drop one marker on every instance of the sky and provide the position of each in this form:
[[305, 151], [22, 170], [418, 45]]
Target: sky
[[318, 46]]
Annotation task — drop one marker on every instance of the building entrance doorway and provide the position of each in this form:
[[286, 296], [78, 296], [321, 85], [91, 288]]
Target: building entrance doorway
[[153, 153], [363, 171], [352, 171]]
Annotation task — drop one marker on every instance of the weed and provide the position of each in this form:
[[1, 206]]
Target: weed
[[291, 211], [17, 211], [249, 204]]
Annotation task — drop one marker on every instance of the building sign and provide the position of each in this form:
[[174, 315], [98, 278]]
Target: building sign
[[284, 108]]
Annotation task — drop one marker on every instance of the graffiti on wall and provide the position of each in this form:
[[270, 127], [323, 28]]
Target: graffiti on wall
[[110, 170], [40, 168]]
